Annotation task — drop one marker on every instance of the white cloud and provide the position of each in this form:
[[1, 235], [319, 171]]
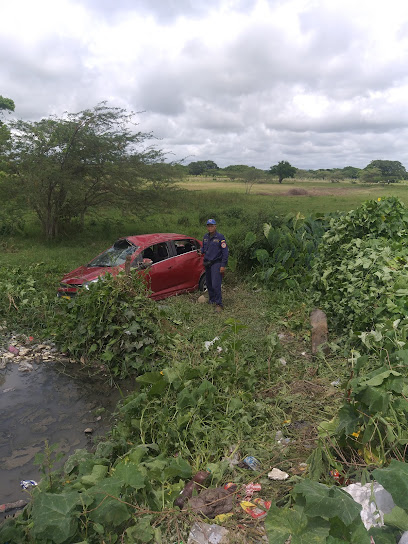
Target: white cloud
[[253, 81]]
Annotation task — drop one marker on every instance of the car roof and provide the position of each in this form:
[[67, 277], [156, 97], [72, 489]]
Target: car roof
[[150, 239]]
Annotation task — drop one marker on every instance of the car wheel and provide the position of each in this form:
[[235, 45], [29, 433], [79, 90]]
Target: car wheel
[[202, 284]]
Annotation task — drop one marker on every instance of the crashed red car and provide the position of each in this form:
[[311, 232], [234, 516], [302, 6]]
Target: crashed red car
[[170, 263]]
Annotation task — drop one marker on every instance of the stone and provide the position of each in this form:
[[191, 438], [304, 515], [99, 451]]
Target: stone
[[25, 366], [318, 322], [88, 430], [202, 299]]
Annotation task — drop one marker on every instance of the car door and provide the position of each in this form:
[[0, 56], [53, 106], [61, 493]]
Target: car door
[[188, 265], [160, 277]]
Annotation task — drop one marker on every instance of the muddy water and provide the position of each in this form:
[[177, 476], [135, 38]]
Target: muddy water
[[45, 404]]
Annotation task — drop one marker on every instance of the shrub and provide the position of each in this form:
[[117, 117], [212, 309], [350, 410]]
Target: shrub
[[113, 323]]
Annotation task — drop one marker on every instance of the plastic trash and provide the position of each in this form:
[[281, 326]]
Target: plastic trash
[[283, 361], [203, 533], [250, 489], [280, 439], [257, 508], [253, 463], [404, 538], [374, 499], [13, 350], [210, 343], [13, 505], [277, 474], [336, 383], [25, 484]]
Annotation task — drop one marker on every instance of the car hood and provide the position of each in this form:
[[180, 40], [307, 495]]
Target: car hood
[[88, 273]]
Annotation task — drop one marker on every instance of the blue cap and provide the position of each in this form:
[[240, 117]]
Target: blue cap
[[211, 222]]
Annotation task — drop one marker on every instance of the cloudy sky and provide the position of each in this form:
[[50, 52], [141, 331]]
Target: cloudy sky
[[320, 83]]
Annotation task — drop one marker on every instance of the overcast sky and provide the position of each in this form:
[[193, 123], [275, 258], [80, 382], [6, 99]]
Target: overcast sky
[[320, 83]]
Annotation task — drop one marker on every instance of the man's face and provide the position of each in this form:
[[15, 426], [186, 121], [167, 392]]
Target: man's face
[[211, 229]]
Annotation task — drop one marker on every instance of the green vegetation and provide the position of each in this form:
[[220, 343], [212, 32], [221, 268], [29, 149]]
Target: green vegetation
[[194, 408]]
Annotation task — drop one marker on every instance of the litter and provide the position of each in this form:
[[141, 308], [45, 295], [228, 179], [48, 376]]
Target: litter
[[12, 505], [374, 499], [210, 343], [252, 462], [280, 439], [203, 533], [233, 457], [250, 489], [283, 361], [25, 484], [277, 474], [257, 509], [336, 383], [13, 350]]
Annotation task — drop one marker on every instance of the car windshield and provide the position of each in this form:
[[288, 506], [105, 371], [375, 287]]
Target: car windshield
[[115, 255]]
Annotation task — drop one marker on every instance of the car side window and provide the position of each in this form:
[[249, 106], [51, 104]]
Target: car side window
[[157, 252], [185, 246]]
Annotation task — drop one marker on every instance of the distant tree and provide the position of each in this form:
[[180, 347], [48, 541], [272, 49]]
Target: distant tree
[[6, 104], [283, 170], [201, 167], [67, 166], [391, 171], [351, 172], [370, 175]]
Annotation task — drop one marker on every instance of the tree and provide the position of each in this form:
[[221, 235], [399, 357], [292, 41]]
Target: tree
[[351, 172], [6, 104], [391, 171], [67, 166], [283, 170], [370, 175], [201, 167]]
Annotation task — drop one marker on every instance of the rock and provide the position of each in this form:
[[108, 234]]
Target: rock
[[37, 359], [318, 322], [277, 474], [88, 430], [212, 502], [202, 299], [25, 366], [3, 363], [98, 418]]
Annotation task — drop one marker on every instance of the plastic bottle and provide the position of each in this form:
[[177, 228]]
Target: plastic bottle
[[187, 492]]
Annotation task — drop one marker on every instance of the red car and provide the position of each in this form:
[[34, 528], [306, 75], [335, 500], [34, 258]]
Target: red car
[[170, 261]]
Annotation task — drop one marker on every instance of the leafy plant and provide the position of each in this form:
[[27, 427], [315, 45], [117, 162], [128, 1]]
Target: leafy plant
[[112, 323]]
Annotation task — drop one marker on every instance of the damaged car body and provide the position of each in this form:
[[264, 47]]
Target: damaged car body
[[170, 263]]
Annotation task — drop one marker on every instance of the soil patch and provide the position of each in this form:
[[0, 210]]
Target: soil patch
[[297, 192]]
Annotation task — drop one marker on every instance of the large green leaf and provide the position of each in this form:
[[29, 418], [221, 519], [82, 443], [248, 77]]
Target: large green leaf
[[397, 518], [109, 511], [280, 524], [394, 479], [328, 502], [128, 474], [54, 516]]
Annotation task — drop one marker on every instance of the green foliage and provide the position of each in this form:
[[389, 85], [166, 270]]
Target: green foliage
[[360, 271], [66, 167], [286, 252], [321, 514], [283, 170], [201, 167], [112, 323], [391, 171], [26, 295]]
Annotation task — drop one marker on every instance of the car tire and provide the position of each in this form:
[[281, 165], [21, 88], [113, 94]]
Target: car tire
[[202, 284]]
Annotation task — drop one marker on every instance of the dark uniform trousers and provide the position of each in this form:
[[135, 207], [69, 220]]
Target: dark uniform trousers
[[215, 252]]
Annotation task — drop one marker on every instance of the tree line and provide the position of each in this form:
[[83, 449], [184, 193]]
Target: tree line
[[377, 171]]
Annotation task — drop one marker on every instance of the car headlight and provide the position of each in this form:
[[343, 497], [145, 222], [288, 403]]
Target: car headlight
[[87, 283]]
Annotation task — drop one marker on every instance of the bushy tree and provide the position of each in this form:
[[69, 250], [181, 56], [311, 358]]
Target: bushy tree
[[391, 171], [67, 166], [202, 167], [370, 175], [283, 170]]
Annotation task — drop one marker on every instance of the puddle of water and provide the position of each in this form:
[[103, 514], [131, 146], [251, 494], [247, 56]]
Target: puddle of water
[[45, 404]]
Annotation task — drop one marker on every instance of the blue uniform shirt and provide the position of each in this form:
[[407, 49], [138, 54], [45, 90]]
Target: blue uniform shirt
[[215, 248]]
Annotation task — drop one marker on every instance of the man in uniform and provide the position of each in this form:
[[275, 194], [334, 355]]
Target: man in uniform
[[215, 251]]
